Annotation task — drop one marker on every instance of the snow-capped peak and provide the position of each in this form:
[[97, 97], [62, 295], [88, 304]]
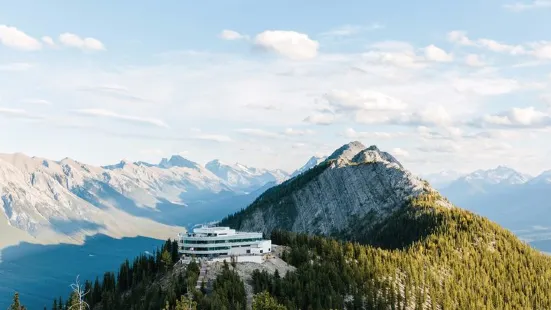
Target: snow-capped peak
[[499, 175], [120, 165], [177, 161], [244, 177], [311, 163]]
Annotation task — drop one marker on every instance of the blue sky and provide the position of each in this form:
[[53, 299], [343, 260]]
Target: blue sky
[[441, 84]]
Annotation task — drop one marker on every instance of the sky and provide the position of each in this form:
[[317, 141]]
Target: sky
[[442, 85]]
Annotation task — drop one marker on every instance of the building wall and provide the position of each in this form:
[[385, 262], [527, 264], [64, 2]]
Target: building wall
[[225, 246]]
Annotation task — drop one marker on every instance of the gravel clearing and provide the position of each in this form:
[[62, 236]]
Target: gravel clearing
[[245, 270]]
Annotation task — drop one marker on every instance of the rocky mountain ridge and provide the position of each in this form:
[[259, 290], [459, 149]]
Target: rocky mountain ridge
[[354, 182], [47, 201]]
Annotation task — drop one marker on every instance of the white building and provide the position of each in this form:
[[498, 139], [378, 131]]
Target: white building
[[223, 242]]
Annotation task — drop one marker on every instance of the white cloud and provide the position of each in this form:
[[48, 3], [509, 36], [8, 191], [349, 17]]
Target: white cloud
[[353, 134], [517, 118], [16, 66], [539, 49], [114, 91], [441, 147], [320, 119], [392, 46], [433, 116], [17, 39], [73, 40], [128, 118], [399, 152], [16, 113], [37, 101], [255, 132], [213, 137], [498, 47], [546, 98], [436, 54], [12, 112], [48, 40], [290, 44], [404, 59], [295, 132], [473, 60], [524, 6], [460, 37], [486, 86], [366, 100], [231, 35], [542, 50], [429, 116], [349, 30], [154, 152]]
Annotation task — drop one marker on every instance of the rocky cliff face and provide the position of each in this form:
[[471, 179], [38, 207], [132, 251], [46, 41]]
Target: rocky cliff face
[[353, 183]]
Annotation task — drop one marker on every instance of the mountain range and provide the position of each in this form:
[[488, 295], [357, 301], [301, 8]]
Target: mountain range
[[46, 201], [515, 200], [361, 230]]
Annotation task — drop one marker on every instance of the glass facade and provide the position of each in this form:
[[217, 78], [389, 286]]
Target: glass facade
[[206, 249], [187, 241]]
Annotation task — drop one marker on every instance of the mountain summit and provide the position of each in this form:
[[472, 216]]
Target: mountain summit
[[177, 161], [354, 183]]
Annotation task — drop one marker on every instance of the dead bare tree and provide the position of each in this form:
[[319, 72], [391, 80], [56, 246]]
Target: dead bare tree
[[79, 294]]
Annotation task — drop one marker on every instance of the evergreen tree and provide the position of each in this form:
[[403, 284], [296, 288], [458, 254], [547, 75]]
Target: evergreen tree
[[264, 301], [166, 259], [16, 305]]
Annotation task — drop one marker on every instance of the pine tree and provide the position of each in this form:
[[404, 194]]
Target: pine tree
[[166, 260], [16, 305], [185, 304], [175, 253]]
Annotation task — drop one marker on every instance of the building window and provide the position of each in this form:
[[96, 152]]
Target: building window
[[248, 251]]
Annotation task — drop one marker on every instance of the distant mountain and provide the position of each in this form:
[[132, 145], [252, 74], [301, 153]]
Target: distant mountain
[[543, 179], [46, 201], [241, 177], [501, 175], [511, 198], [486, 181], [311, 163], [178, 161], [412, 247]]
